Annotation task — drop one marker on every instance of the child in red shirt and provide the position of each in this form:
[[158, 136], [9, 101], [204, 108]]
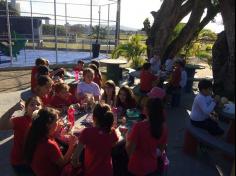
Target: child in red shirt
[[97, 75], [98, 142], [147, 78], [109, 95], [125, 100], [20, 126], [62, 98], [34, 73], [80, 66], [145, 138], [41, 151], [44, 89]]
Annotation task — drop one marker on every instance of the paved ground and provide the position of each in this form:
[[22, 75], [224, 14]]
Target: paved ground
[[207, 164]]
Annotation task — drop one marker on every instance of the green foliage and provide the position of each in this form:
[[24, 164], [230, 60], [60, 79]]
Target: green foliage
[[209, 47], [12, 10], [176, 31], [101, 32], [50, 29], [205, 55], [132, 50], [207, 34]]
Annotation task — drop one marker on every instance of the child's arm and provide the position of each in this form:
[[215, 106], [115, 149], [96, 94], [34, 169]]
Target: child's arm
[[207, 109], [130, 147], [77, 153], [67, 157], [5, 120]]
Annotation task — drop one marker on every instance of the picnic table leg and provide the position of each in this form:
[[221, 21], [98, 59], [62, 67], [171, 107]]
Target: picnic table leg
[[190, 144]]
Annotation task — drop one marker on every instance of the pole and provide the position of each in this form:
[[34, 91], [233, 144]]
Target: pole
[[117, 37], [9, 31], [108, 30], [91, 26], [66, 26], [32, 23], [99, 23], [55, 25]]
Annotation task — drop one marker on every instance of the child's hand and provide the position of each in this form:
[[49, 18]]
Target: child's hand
[[73, 140], [217, 98], [19, 106]]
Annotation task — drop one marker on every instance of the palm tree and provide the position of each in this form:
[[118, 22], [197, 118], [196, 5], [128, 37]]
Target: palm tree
[[133, 51]]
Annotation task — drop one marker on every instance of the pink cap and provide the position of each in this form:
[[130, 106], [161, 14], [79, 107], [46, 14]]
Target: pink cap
[[157, 92]]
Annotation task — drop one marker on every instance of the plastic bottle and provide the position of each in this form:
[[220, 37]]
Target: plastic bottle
[[76, 75], [71, 115]]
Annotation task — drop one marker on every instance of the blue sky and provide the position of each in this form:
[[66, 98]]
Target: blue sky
[[133, 12]]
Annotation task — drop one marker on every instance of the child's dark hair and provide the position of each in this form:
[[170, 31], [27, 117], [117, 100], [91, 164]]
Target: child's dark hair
[[129, 95], [107, 121], [39, 61], [80, 62], [156, 116], [204, 84], [95, 62], [39, 130], [147, 66], [110, 83], [102, 118], [94, 67], [59, 72], [43, 70], [43, 80]]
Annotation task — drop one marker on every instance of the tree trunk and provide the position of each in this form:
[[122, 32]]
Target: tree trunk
[[228, 13], [220, 56], [191, 30], [162, 29]]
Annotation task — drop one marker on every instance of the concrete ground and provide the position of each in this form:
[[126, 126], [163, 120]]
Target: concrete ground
[[212, 163]]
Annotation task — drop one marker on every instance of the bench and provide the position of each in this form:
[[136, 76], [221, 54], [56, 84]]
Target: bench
[[195, 135]]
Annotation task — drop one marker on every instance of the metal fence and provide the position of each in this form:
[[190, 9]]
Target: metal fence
[[103, 13]]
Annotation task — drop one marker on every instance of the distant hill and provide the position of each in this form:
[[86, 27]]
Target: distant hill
[[125, 28]]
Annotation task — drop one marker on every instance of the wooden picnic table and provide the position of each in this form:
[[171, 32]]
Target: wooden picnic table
[[114, 72]]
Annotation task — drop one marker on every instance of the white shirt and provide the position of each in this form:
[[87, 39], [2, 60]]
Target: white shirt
[[91, 88], [184, 78], [156, 65], [202, 107]]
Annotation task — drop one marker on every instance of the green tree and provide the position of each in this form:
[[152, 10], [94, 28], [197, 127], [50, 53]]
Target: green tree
[[99, 32], [133, 51], [12, 10]]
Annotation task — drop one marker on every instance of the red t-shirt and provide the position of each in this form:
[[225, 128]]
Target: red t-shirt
[[33, 78], [97, 79], [176, 77], [77, 69], [143, 160], [146, 80], [46, 99], [20, 127], [58, 102], [98, 146], [46, 154]]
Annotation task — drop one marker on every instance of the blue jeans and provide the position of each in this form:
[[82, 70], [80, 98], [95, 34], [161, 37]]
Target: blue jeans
[[209, 125]]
